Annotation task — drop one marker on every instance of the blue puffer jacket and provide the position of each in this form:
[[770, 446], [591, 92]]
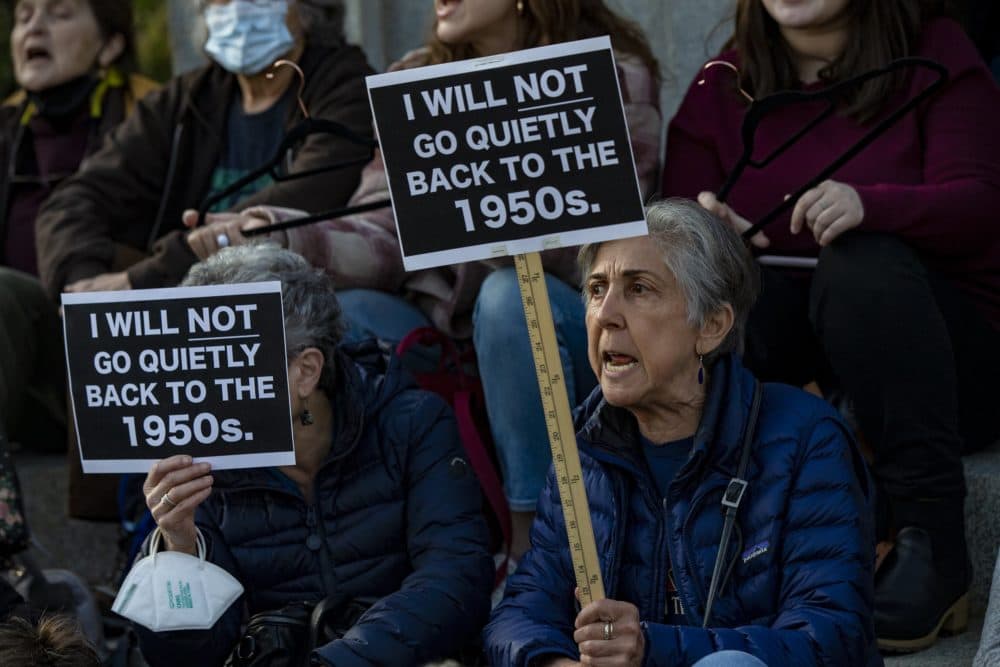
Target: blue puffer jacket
[[799, 592], [396, 517]]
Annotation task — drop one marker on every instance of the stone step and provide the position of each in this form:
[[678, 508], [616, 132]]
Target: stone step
[[956, 651], [982, 521]]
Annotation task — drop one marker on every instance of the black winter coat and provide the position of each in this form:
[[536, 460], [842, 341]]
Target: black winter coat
[[396, 517]]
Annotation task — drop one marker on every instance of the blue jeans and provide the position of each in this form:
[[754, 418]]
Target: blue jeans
[[729, 659], [373, 314], [507, 369]]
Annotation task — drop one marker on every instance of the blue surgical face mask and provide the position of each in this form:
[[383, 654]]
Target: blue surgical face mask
[[247, 36]]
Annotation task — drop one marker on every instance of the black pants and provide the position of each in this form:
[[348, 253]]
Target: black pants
[[918, 361], [32, 364]]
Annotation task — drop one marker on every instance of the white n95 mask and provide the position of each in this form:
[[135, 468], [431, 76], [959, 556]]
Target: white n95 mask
[[246, 36], [175, 591]]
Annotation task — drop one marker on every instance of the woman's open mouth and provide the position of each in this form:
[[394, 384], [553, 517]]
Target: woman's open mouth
[[618, 362]]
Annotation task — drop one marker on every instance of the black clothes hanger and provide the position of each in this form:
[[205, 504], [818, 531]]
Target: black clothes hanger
[[308, 126], [832, 95]]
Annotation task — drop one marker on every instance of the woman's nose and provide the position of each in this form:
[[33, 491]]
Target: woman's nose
[[609, 312]]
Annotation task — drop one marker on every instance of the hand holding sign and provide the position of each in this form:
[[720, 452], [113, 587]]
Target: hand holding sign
[[174, 488]]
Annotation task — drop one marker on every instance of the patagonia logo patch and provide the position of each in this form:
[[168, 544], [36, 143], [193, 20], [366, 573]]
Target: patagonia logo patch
[[758, 549]]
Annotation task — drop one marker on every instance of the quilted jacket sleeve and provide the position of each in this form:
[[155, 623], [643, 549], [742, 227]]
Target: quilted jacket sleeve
[[825, 593], [444, 602], [198, 647], [538, 610]]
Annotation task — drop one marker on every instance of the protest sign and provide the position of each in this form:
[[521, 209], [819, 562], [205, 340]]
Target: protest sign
[[515, 153], [190, 370]]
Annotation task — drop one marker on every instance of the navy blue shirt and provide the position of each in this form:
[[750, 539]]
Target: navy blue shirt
[[664, 460], [251, 141]]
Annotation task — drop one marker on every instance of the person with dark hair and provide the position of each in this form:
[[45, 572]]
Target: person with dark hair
[[55, 641], [380, 504], [122, 222], [73, 60], [675, 425], [902, 311]]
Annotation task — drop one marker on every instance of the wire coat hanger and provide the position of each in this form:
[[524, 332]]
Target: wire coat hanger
[[304, 128], [759, 109]]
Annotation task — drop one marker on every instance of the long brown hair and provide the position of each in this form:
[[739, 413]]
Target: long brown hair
[[554, 21], [879, 31]]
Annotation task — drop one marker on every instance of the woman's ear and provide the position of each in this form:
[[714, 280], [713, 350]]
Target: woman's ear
[[112, 48], [305, 371], [715, 329]]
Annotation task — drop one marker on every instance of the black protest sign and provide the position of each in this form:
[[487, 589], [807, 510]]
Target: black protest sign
[[517, 153], [193, 370]]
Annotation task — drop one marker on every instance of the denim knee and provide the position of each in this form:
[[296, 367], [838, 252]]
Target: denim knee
[[730, 659], [498, 310]]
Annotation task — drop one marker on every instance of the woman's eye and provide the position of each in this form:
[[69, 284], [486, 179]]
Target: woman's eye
[[639, 288], [595, 289]]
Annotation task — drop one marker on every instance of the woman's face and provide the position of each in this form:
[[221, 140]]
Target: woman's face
[[53, 41], [805, 14], [477, 22], [640, 344]]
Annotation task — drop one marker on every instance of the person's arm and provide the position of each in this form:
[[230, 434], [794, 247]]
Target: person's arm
[[117, 187], [826, 590], [441, 605], [198, 647], [954, 211], [692, 164], [533, 625], [641, 99], [358, 251]]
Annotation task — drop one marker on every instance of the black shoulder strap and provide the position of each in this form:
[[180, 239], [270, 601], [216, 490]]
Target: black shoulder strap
[[731, 501]]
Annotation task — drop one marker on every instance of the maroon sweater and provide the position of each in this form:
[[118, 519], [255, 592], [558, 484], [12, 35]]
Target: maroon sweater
[[57, 153], [933, 178]]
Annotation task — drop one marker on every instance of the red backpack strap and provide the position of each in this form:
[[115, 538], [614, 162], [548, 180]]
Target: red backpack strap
[[485, 472], [461, 402]]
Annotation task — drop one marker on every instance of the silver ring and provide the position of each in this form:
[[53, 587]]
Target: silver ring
[[168, 501], [222, 240], [609, 630]]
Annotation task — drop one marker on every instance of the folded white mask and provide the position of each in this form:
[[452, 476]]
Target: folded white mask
[[175, 591]]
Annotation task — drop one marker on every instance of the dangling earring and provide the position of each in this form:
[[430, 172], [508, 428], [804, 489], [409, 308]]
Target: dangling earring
[[306, 417], [520, 7], [701, 369]]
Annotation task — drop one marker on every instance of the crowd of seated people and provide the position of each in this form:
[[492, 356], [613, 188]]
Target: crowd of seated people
[[878, 288]]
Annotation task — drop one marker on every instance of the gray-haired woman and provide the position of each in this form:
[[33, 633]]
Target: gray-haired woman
[[676, 426], [379, 506]]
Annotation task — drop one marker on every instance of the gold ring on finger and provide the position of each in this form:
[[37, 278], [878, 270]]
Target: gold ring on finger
[[609, 630]]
